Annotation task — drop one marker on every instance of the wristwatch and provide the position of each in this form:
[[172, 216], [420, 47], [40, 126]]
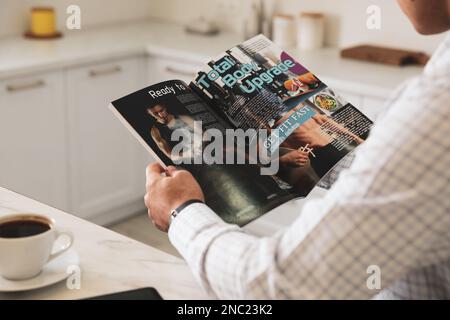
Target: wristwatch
[[175, 212]]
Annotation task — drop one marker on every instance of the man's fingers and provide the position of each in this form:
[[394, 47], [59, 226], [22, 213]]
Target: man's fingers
[[171, 170], [153, 172], [146, 201]]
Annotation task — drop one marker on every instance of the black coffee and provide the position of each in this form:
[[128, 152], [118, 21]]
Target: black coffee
[[22, 228]]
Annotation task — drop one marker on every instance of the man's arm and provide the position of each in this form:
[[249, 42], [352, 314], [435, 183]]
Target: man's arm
[[162, 144], [327, 122]]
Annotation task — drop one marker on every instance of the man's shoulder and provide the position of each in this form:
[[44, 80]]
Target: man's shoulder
[[425, 94], [420, 110], [154, 131], [185, 118], [437, 70]]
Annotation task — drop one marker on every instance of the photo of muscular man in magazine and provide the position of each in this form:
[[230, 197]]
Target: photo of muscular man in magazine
[[316, 137], [166, 123]]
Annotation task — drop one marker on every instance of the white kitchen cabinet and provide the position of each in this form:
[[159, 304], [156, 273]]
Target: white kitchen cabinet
[[33, 146], [161, 69], [106, 168]]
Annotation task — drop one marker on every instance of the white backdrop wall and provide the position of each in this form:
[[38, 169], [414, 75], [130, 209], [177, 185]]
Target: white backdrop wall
[[345, 19]]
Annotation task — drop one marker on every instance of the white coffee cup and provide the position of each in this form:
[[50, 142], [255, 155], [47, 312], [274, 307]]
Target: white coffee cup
[[27, 243]]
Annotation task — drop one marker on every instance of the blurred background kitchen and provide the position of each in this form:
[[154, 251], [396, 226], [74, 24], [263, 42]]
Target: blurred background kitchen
[[60, 145]]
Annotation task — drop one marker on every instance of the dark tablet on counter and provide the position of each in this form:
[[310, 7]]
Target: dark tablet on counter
[[136, 294]]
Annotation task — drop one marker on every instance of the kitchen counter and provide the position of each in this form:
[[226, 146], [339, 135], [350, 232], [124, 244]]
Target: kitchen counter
[[369, 79], [21, 56], [109, 262]]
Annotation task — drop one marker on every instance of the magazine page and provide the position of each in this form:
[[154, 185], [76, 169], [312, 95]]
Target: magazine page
[[171, 121], [258, 85]]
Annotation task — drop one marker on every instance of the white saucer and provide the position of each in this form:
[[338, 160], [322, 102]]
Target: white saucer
[[52, 272]]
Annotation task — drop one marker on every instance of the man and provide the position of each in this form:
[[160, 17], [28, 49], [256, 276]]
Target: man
[[389, 213], [314, 135], [166, 123]]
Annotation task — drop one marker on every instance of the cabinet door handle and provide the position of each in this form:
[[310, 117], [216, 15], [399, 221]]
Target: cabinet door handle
[[25, 86], [102, 72], [180, 72]]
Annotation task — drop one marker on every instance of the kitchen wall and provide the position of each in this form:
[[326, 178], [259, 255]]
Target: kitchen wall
[[14, 13], [346, 23], [345, 19]]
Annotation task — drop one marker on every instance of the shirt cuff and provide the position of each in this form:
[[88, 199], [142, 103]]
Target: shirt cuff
[[189, 223]]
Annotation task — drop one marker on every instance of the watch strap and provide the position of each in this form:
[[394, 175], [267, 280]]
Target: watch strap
[[178, 209]]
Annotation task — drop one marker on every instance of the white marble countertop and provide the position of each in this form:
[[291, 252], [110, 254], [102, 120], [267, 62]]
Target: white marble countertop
[[109, 262], [21, 56]]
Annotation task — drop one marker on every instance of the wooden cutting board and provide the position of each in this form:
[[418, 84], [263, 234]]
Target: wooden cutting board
[[384, 55]]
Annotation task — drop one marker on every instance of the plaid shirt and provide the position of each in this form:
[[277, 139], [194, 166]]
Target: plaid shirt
[[388, 213]]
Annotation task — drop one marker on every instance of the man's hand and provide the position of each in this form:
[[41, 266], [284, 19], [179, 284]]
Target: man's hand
[[321, 118], [165, 193], [295, 158]]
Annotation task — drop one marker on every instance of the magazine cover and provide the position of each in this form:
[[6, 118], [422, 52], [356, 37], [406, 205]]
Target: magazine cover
[[255, 128]]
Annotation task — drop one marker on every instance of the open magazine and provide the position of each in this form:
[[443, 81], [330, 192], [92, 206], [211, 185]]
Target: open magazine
[[288, 128]]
